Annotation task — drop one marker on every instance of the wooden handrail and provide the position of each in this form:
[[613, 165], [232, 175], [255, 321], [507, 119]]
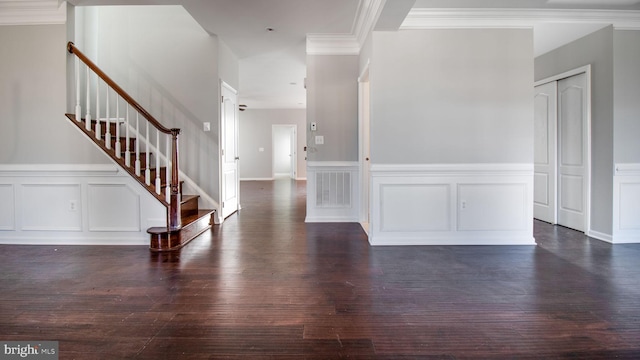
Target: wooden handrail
[[74, 50], [173, 213]]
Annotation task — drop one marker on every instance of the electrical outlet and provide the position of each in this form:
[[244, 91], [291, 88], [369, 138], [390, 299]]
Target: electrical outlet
[[463, 204], [73, 205], [314, 126]]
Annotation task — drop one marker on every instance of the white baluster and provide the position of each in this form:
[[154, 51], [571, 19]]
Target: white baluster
[[107, 135], [127, 151], [78, 107], [147, 172], [87, 118], [158, 182], [98, 127], [118, 145], [167, 177], [137, 144]]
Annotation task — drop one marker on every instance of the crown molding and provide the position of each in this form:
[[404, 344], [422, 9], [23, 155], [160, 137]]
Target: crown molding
[[348, 44], [516, 18], [332, 44], [32, 12]]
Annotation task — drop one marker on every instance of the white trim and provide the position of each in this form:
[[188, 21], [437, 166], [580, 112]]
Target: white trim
[[626, 196], [332, 44], [33, 12], [58, 169], [363, 83], [600, 236], [569, 73], [516, 18], [257, 179], [78, 226], [626, 169], [331, 164], [587, 192], [451, 204], [474, 169], [348, 44]]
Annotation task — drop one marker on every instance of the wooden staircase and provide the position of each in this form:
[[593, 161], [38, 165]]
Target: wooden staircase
[[135, 154]]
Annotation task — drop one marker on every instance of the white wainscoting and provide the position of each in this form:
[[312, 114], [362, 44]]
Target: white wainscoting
[[332, 191], [626, 204], [452, 204], [75, 205]]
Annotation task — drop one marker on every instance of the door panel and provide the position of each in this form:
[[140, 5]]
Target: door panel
[[572, 179], [545, 124], [229, 130]]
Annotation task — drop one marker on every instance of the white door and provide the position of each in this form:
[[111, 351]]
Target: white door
[[229, 181], [572, 151], [283, 140], [365, 163], [545, 152], [293, 143]]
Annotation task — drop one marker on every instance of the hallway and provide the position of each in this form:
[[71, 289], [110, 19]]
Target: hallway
[[265, 285]]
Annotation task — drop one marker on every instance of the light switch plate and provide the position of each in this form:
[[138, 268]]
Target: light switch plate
[[206, 126], [319, 140]]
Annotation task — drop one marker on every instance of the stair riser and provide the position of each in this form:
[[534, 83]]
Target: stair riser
[[176, 240], [189, 207]]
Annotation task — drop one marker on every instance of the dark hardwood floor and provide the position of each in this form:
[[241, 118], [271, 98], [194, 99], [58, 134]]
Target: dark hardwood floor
[[265, 285]]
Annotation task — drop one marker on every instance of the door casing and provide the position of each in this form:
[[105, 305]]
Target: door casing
[[587, 140]]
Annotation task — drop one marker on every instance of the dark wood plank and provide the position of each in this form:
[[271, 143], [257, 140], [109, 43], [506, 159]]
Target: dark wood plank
[[265, 285]]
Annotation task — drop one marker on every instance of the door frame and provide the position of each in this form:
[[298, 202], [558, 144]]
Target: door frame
[[364, 81], [293, 144], [587, 191], [221, 142]]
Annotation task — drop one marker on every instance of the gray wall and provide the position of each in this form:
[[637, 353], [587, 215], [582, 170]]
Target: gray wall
[[255, 133], [626, 59], [332, 102], [33, 99], [229, 69], [452, 96], [595, 49], [170, 65]]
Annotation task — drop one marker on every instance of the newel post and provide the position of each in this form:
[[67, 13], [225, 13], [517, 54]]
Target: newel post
[[174, 220]]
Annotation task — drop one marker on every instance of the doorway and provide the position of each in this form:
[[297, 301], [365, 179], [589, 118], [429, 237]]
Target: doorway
[[229, 179], [285, 157], [364, 104], [562, 149]]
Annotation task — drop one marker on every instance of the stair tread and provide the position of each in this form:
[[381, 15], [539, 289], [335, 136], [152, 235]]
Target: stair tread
[[186, 198], [186, 221]]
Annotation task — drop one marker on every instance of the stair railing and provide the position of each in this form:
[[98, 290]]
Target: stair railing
[[150, 127]]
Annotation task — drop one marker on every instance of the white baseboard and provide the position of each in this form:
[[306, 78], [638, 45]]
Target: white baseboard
[[600, 236], [257, 179]]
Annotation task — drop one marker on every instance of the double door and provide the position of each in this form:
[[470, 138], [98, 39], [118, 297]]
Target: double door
[[561, 140]]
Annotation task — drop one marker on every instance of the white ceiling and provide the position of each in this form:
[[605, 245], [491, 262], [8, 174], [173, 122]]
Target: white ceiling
[[272, 64]]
